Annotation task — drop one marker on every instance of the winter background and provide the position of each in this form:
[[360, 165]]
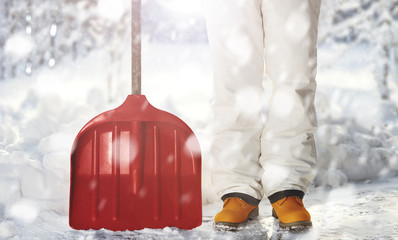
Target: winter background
[[62, 62]]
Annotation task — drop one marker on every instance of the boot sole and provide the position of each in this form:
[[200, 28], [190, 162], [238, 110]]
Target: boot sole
[[229, 226], [293, 226]]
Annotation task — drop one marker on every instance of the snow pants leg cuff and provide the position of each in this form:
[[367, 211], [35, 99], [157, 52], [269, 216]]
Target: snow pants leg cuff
[[287, 193], [247, 198]]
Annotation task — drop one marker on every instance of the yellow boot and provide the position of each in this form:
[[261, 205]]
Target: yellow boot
[[291, 213], [234, 214]]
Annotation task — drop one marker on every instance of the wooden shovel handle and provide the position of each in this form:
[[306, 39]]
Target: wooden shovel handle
[[136, 47]]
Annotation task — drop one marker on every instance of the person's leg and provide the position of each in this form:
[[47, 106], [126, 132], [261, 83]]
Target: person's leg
[[288, 154], [235, 35]]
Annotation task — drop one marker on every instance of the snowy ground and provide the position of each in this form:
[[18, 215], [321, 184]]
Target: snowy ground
[[355, 211], [354, 195]]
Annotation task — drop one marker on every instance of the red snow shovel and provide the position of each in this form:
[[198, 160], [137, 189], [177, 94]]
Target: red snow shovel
[[135, 166]]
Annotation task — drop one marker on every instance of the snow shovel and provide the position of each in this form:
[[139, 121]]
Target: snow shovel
[[135, 166]]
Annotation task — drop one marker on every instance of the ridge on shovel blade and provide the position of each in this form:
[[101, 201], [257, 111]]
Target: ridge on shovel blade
[[135, 167]]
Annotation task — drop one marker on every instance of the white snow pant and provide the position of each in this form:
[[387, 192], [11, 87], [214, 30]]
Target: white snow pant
[[251, 158]]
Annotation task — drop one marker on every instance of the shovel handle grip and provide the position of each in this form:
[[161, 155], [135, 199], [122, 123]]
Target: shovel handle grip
[[136, 47]]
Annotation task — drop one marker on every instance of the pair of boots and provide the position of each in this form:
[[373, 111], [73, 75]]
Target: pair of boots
[[290, 211]]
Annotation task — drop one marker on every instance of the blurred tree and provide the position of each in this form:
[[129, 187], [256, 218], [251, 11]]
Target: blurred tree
[[371, 22], [40, 33]]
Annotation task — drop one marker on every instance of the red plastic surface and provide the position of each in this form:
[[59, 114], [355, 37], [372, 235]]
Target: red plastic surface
[[135, 167]]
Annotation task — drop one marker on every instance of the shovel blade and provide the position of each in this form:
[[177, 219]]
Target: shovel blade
[[135, 167]]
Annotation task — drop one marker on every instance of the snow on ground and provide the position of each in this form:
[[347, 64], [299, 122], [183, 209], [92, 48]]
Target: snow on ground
[[353, 197]]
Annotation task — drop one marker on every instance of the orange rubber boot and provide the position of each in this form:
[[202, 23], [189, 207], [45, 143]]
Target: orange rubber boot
[[234, 214], [291, 213]]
